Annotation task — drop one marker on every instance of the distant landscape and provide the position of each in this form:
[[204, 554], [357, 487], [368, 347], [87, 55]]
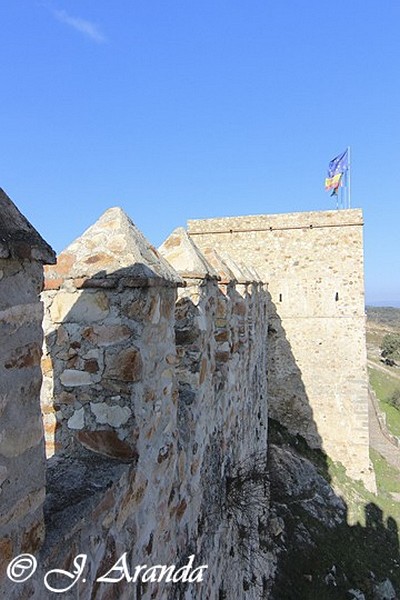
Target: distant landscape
[[384, 304], [384, 321], [379, 317]]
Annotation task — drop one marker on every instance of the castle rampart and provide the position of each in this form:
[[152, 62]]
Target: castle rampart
[[155, 406], [155, 397]]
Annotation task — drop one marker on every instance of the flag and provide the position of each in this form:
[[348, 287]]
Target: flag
[[337, 167]]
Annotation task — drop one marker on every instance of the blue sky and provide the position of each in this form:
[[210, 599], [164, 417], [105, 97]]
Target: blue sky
[[178, 109]]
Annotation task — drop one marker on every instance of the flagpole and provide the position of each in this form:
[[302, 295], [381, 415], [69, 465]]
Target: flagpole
[[348, 181]]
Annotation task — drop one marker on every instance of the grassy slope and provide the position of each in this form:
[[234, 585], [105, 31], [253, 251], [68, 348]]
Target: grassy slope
[[384, 385], [387, 317], [380, 320]]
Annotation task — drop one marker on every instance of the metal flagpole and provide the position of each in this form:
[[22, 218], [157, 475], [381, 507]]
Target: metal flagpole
[[348, 178], [343, 191]]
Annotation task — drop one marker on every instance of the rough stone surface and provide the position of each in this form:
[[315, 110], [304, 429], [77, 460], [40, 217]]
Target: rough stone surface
[[317, 371], [74, 378], [18, 239], [155, 401], [179, 250], [113, 244], [178, 395], [111, 415], [22, 458]]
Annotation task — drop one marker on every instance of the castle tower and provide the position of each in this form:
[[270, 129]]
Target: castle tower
[[317, 373]]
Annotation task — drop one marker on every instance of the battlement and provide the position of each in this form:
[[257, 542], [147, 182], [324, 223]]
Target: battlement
[[298, 220], [160, 370]]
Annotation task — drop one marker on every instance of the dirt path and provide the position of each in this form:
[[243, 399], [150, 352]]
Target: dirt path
[[387, 370], [378, 439]]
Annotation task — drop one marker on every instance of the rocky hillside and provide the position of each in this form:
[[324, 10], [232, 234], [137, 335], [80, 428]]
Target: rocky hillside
[[334, 539]]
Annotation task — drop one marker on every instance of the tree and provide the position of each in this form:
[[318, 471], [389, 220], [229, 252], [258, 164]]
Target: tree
[[390, 346], [394, 399]]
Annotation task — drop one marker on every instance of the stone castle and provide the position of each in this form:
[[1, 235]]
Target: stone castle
[[158, 375]]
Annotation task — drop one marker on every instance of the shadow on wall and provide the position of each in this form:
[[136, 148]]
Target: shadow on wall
[[289, 403], [320, 555], [222, 416], [114, 355], [117, 408], [104, 380]]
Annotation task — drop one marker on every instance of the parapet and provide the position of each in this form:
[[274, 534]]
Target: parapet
[[180, 251], [18, 239], [112, 245], [105, 301], [301, 220]]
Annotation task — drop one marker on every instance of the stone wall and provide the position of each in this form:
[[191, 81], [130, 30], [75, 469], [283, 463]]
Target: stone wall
[[109, 340], [156, 416], [155, 400], [22, 458], [317, 375]]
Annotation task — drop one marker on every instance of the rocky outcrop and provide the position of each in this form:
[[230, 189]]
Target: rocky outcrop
[[319, 554]]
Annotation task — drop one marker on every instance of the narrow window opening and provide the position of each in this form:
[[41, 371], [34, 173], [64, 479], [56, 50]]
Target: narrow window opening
[[337, 296], [280, 297]]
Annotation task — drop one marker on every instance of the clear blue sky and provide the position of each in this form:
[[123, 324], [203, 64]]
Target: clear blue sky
[[177, 109]]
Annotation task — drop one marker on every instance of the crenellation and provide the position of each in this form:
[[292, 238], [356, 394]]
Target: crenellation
[[160, 371]]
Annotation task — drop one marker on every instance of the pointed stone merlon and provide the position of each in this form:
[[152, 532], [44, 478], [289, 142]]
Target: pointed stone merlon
[[242, 275], [22, 460], [111, 252], [18, 239], [109, 305], [226, 275], [182, 253]]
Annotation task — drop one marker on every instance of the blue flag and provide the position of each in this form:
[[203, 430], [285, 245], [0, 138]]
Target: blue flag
[[337, 167]]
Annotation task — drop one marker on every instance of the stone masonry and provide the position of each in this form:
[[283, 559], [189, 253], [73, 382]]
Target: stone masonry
[[155, 410], [22, 458], [107, 299], [317, 374], [160, 369]]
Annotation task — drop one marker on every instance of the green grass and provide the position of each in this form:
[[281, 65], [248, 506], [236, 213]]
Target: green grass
[[387, 477], [384, 385]]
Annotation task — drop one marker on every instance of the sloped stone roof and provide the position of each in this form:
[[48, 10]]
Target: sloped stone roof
[[181, 252], [18, 239], [113, 246]]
